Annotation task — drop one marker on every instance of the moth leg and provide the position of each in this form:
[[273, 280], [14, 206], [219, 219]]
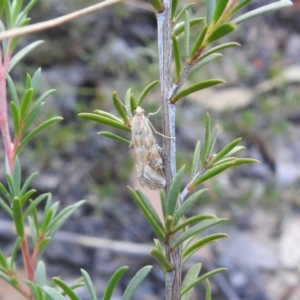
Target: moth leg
[[154, 130]]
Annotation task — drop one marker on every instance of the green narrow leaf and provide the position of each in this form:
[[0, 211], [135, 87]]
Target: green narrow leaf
[[146, 91], [207, 290], [163, 202], [106, 121], [136, 282], [14, 251], [13, 44], [12, 91], [4, 277], [211, 173], [198, 42], [3, 262], [239, 6], [192, 220], [156, 226], [34, 289], [174, 191], [161, 259], [8, 14], [78, 283], [28, 82], [219, 9], [157, 5], [196, 230], [27, 182], [89, 284], [235, 150], [132, 103], [205, 61], [210, 9], [221, 31], [19, 55], [15, 9], [17, 176], [196, 160], [196, 87], [36, 131], [48, 202], [120, 108], [47, 218], [177, 60], [11, 185], [168, 224], [158, 245], [201, 243], [5, 207], [187, 34], [15, 117], [2, 5], [184, 9], [113, 282], [5, 192], [34, 204], [216, 49], [202, 278], [26, 196], [225, 160], [35, 109], [225, 150], [107, 115], [40, 276], [59, 220], [207, 139], [150, 208], [174, 8], [243, 161], [29, 6], [179, 27], [32, 116], [127, 102], [114, 137], [18, 218], [43, 244], [261, 10], [43, 97], [189, 278], [53, 294], [33, 226], [36, 78], [213, 140], [55, 207], [65, 288], [188, 203]]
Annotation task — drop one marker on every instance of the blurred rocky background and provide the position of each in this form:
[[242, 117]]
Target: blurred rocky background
[[114, 49]]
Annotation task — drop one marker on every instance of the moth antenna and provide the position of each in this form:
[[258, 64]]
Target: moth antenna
[[154, 113]]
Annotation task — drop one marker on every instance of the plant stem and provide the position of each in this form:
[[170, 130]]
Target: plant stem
[[29, 268], [164, 29], [4, 128], [54, 22]]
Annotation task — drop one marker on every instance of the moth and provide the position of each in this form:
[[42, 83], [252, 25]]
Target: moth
[[147, 153]]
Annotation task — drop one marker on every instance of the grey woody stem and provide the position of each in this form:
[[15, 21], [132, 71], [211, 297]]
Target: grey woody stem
[[164, 28]]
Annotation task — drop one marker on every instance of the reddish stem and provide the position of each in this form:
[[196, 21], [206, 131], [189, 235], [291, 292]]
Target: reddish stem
[[4, 127], [21, 288], [36, 251], [27, 260]]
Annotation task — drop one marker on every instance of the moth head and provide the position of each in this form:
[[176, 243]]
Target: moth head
[[139, 111]]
